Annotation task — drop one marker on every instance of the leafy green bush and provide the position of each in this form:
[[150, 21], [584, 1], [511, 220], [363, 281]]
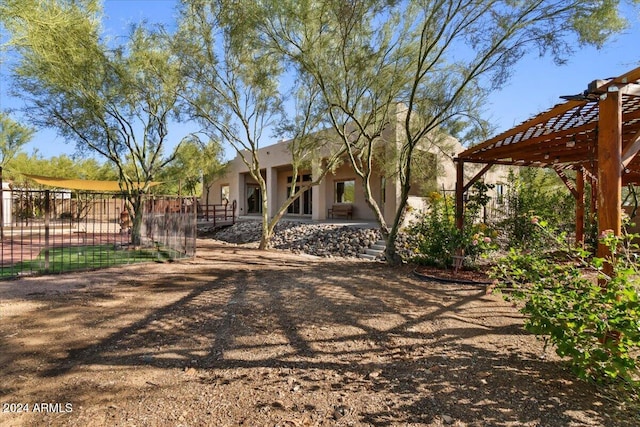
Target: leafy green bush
[[590, 317], [436, 238], [534, 191]]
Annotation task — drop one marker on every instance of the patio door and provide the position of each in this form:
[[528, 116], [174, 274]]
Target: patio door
[[301, 205], [254, 199]]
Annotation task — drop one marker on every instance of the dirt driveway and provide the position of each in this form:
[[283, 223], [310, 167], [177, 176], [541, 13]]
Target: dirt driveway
[[242, 337]]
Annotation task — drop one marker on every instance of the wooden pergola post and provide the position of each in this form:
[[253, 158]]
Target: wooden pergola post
[[459, 194], [609, 167], [593, 182], [580, 208]]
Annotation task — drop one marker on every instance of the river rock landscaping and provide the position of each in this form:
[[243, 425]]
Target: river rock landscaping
[[323, 240]]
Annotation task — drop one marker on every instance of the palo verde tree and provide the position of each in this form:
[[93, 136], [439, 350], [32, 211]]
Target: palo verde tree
[[195, 165], [113, 100], [237, 89], [234, 101], [467, 49], [311, 146], [434, 60], [353, 65], [13, 136]]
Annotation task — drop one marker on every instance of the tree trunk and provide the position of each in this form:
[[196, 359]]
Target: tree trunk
[[136, 215], [390, 252], [265, 237]]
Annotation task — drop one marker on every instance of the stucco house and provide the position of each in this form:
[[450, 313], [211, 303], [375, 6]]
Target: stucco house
[[342, 187]]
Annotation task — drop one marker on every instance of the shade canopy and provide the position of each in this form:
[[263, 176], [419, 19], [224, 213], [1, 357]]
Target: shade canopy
[[82, 184]]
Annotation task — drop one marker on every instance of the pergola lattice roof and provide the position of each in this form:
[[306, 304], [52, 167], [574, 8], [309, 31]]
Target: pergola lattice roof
[[566, 136]]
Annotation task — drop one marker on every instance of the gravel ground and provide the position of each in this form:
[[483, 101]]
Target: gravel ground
[[238, 336]]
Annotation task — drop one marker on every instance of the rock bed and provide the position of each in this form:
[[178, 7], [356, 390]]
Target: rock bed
[[324, 240]]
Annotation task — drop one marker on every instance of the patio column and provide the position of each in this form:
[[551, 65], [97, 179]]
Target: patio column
[[318, 193], [241, 194], [272, 191], [609, 166]]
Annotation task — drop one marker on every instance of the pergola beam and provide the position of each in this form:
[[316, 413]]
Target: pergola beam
[[630, 152], [567, 182], [578, 134], [476, 177]]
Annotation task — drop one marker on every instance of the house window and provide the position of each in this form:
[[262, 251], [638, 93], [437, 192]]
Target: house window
[[224, 194], [500, 194], [305, 178], [345, 191]]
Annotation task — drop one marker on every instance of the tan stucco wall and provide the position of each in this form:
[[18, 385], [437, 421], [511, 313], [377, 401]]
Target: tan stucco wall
[[275, 161]]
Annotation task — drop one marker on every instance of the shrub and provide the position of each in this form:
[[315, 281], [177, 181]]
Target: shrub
[[534, 191], [590, 317], [436, 238]]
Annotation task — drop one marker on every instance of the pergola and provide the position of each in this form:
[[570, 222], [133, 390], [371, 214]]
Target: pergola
[[595, 133]]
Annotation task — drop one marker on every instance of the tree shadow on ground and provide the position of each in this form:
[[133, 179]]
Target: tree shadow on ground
[[439, 349]]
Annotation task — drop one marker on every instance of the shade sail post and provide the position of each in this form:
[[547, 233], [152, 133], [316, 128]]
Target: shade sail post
[[459, 194], [609, 168]]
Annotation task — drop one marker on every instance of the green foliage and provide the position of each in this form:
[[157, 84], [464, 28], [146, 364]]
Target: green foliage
[[437, 239], [535, 192], [13, 136], [590, 317], [194, 164], [66, 259]]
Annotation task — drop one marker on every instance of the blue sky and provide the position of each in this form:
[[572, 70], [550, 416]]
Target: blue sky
[[535, 86]]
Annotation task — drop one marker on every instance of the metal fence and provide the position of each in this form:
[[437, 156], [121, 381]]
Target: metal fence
[[220, 214], [43, 231]]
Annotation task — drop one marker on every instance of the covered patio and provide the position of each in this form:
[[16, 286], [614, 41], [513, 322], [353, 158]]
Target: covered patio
[[595, 133]]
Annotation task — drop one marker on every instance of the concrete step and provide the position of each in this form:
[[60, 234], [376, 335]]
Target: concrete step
[[373, 252]]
